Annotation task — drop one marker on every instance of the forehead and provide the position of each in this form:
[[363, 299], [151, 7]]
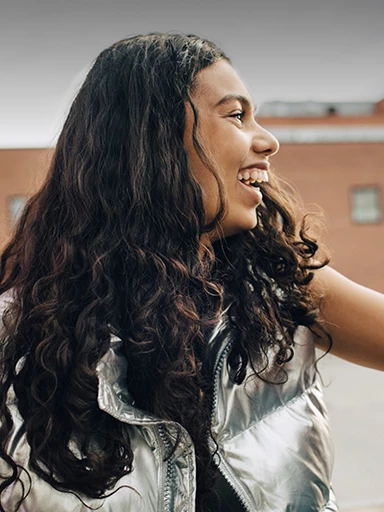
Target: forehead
[[217, 81]]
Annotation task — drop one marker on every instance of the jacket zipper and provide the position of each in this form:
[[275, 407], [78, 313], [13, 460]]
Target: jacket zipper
[[169, 471], [222, 467]]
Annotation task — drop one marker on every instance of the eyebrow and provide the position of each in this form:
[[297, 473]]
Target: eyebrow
[[236, 97]]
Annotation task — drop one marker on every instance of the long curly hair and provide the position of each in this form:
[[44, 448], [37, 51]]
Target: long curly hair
[[114, 239]]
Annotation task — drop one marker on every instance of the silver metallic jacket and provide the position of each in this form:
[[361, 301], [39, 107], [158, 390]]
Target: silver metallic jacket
[[274, 445]]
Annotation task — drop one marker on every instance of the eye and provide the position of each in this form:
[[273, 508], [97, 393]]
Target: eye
[[238, 115]]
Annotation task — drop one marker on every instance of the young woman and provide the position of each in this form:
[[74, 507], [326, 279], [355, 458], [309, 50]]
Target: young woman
[[161, 305]]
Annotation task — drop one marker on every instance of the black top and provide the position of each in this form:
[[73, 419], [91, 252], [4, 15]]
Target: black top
[[222, 497]]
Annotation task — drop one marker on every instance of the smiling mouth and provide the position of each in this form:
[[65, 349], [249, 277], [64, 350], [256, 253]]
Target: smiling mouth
[[254, 178]]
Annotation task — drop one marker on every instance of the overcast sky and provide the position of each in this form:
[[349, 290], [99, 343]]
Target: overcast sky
[[290, 50]]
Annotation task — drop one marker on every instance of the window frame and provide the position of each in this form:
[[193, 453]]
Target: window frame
[[371, 186]]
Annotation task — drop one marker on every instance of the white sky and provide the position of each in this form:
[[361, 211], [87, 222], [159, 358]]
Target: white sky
[[291, 50]]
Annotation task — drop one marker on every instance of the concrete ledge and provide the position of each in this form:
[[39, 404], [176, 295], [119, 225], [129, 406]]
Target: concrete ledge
[[323, 134]]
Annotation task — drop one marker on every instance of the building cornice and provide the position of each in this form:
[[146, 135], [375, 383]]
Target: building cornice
[[309, 134]]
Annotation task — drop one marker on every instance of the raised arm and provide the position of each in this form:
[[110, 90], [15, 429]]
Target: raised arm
[[354, 317]]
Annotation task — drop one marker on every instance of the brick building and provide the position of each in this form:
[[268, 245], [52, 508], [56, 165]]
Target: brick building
[[332, 153], [21, 172]]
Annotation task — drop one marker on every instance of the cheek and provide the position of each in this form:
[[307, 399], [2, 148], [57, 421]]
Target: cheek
[[232, 153], [232, 139]]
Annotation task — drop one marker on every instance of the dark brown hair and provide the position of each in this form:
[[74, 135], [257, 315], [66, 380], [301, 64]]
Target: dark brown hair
[[113, 238]]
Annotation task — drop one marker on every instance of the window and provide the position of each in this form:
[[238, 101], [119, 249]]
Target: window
[[366, 205], [15, 207]]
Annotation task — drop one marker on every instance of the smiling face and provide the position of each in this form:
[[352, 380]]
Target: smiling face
[[238, 145]]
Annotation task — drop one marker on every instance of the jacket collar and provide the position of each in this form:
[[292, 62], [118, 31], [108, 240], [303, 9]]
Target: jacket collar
[[113, 395]]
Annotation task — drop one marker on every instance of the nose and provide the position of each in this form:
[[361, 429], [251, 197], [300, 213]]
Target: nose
[[264, 142]]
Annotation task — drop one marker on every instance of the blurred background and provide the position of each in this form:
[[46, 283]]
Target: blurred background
[[315, 70]]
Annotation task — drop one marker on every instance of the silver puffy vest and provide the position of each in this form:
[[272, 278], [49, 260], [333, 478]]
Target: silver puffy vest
[[274, 445]]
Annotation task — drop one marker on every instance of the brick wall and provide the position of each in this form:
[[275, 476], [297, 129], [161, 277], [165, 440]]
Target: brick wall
[[21, 172], [324, 175]]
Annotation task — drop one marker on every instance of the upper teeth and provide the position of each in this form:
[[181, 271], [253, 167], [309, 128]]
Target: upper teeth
[[257, 175]]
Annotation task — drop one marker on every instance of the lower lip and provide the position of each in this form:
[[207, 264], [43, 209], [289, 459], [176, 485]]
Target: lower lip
[[253, 192]]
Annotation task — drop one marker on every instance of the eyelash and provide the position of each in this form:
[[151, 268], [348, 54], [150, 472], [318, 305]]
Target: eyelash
[[239, 115]]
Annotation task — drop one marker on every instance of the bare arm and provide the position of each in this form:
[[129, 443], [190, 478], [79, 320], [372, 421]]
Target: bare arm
[[354, 318]]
